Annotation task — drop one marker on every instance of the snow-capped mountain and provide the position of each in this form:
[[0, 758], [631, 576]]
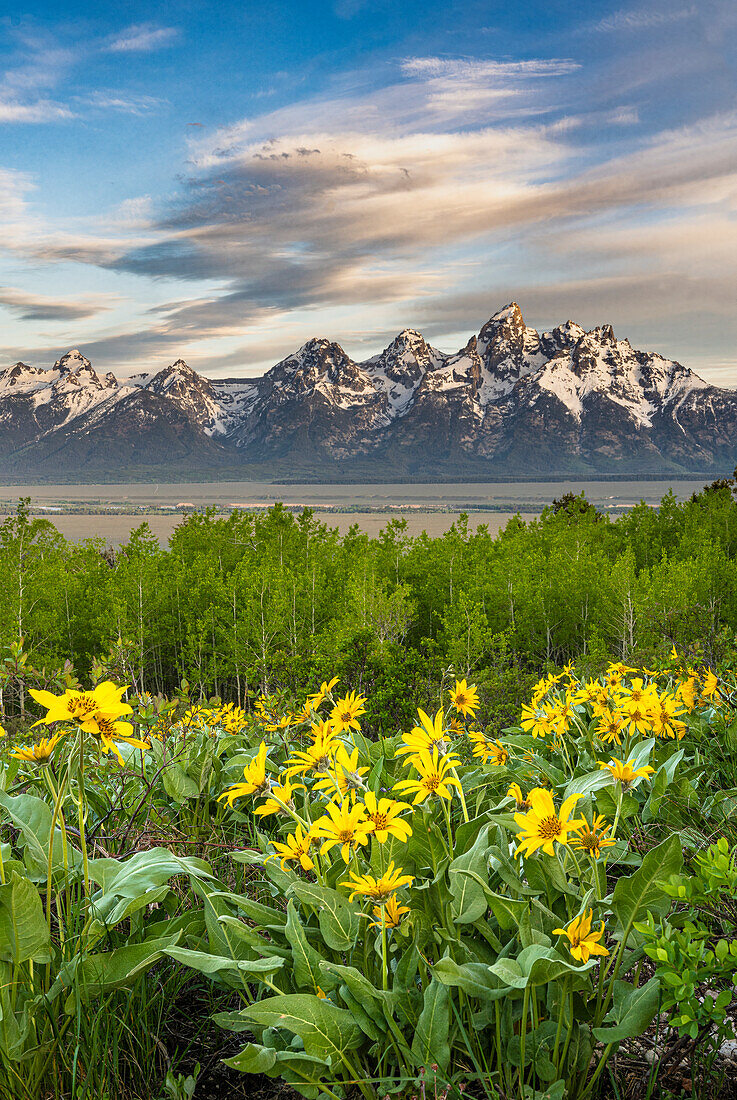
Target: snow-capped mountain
[[512, 401]]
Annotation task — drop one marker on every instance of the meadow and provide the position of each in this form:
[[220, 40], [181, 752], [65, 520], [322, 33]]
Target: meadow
[[285, 809]]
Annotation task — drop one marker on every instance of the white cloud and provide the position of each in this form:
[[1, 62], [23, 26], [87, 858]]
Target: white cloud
[[142, 37], [41, 110], [42, 307], [645, 18]]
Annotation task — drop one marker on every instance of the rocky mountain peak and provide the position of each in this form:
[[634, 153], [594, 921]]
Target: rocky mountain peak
[[72, 362]]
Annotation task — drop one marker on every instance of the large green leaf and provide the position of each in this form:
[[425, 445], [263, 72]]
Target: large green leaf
[[430, 1045], [32, 817], [469, 899], [633, 1011], [472, 977], [93, 974], [143, 871], [338, 918], [326, 1030], [643, 890], [535, 965], [177, 784], [23, 930], [305, 960], [209, 964]]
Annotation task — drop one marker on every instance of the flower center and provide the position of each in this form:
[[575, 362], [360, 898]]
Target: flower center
[[345, 836], [380, 821], [550, 827], [83, 706], [431, 782]]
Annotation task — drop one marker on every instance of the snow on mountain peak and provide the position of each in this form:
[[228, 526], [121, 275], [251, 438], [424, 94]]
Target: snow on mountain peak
[[72, 362]]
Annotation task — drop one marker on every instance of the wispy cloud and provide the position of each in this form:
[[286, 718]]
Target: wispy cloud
[[639, 19], [41, 307], [40, 110], [142, 38]]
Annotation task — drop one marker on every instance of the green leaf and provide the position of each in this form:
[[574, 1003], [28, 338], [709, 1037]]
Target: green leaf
[[177, 784], [643, 890], [473, 978], [32, 817], [468, 896], [535, 965], [326, 1030], [430, 1044], [338, 918], [586, 784], [633, 1011], [305, 960], [93, 974], [209, 964], [23, 931]]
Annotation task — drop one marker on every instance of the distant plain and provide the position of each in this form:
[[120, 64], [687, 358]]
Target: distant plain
[[112, 511]]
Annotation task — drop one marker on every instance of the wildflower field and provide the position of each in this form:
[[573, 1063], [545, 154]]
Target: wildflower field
[[288, 814], [542, 911]]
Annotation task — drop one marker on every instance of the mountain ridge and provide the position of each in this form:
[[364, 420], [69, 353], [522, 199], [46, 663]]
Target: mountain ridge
[[513, 402]]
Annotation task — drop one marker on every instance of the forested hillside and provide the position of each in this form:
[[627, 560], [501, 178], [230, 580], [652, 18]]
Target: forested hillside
[[269, 602]]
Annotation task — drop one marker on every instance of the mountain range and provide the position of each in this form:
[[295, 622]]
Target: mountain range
[[512, 402]]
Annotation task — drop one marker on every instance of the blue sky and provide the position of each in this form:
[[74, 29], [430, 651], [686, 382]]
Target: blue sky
[[222, 182]]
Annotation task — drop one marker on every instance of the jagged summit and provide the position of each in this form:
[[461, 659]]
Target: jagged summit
[[72, 362], [513, 400]]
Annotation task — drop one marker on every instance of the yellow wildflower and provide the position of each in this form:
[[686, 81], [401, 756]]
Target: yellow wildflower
[[465, 698], [344, 775], [487, 750], [582, 942], [283, 791], [384, 815], [592, 838], [345, 825], [379, 889], [433, 776], [430, 734], [297, 847], [347, 711], [542, 826], [389, 914], [254, 775], [515, 792], [40, 753], [626, 773]]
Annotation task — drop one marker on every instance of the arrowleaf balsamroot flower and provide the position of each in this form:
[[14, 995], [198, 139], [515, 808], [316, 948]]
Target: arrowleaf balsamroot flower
[[297, 847], [317, 757], [83, 707], [40, 753], [255, 783], [582, 942], [515, 792], [430, 734], [389, 914], [384, 815], [433, 776], [465, 698], [344, 776], [626, 774], [592, 838], [542, 826], [538, 719], [284, 792], [379, 889], [347, 711], [318, 698], [487, 750], [109, 731], [345, 825]]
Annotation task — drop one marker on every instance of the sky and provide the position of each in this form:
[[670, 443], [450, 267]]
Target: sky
[[222, 182]]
